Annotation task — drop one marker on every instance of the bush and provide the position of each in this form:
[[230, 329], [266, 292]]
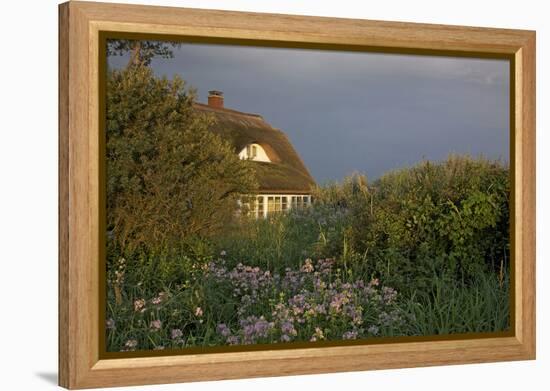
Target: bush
[[450, 217]]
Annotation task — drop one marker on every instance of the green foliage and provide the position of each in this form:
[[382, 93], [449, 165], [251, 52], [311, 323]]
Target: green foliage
[[141, 52], [169, 179], [450, 217]]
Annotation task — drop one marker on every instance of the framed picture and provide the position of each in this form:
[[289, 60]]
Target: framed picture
[[247, 195]]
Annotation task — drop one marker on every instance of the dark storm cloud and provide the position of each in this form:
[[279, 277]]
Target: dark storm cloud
[[364, 112]]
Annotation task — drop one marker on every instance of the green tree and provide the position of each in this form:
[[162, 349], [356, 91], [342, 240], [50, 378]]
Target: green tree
[[168, 177], [141, 52]]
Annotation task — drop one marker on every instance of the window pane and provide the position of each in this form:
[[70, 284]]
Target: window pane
[[270, 204], [260, 207]]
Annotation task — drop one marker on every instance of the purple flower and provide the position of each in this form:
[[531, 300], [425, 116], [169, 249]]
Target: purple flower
[[320, 309], [155, 325], [373, 330], [388, 295], [299, 301], [110, 324], [287, 327], [176, 333], [253, 328], [224, 330], [130, 345], [350, 335], [285, 338]]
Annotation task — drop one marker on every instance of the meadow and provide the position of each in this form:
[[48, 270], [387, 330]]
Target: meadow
[[421, 251]]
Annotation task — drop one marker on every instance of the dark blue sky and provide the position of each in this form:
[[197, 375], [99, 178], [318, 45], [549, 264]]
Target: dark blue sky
[[365, 112]]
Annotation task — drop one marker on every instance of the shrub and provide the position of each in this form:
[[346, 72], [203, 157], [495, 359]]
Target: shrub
[[449, 217]]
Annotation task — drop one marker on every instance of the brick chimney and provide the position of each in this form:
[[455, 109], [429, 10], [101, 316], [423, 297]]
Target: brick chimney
[[215, 99]]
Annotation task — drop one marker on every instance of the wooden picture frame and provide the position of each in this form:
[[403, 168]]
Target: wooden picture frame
[[80, 26]]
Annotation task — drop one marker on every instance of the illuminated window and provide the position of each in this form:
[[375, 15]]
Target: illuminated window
[[276, 204], [259, 211], [299, 202]]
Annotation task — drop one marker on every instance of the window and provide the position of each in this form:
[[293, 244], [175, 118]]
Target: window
[[277, 204], [259, 210], [299, 202], [254, 152], [251, 151], [273, 204], [261, 206]]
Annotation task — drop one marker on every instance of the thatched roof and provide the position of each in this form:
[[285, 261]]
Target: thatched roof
[[286, 173]]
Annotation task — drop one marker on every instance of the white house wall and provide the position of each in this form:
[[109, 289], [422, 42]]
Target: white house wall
[[261, 156]]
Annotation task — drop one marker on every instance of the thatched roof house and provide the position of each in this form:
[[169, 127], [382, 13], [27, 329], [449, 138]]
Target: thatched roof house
[[284, 180]]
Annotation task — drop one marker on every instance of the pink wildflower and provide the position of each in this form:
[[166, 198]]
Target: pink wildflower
[[155, 325]]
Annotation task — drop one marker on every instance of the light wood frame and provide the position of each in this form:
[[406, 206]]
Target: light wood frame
[[80, 24]]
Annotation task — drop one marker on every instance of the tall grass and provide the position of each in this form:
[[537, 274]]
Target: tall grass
[[450, 307]]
